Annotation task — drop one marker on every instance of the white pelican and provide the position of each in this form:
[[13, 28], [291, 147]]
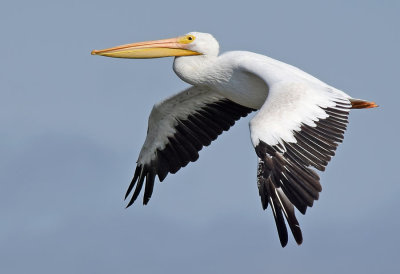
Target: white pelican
[[299, 123]]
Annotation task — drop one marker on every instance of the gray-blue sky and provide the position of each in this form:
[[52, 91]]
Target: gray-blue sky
[[72, 126]]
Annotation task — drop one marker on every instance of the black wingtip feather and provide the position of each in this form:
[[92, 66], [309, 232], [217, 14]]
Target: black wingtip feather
[[148, 190], [133, 182], [290, 215], [138, 187], [162, 166]]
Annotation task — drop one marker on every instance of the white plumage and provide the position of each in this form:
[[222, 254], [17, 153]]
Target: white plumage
[[299, 123]]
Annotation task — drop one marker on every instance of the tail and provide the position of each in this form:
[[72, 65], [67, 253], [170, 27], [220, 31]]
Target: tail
[[357, 103]]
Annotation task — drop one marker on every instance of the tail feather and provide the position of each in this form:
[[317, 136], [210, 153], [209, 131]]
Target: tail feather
[[358, 104]]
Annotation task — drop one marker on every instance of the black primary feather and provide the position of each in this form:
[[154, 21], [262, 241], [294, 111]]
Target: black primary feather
[[285, 177], [199, 129]]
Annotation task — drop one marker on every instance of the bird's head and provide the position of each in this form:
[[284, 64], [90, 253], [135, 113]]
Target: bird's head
[[193, 43]]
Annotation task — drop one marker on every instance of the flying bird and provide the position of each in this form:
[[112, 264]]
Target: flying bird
[[299, 121]]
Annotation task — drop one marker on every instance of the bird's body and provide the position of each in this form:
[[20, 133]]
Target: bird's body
[[299, 123], [236, 75]]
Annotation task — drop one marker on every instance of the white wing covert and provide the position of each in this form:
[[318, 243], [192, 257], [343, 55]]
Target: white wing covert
[[178, 128]]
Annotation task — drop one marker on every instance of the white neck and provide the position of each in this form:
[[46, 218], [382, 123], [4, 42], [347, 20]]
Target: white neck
[[197, 70]]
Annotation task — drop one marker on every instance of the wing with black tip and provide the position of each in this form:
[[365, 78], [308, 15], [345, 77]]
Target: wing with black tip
[[296, 131], [178, 128]]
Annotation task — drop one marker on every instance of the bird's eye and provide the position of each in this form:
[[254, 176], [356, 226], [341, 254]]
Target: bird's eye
[[190, 38], [187, 39]]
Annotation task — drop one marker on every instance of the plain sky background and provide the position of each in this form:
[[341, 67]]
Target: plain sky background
[[72, 125]]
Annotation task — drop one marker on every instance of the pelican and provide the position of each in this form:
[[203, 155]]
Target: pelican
[[299, 121]]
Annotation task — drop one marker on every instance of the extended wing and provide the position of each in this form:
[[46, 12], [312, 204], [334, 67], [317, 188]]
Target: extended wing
[[288, 151], [178, 128], [297, 129]]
